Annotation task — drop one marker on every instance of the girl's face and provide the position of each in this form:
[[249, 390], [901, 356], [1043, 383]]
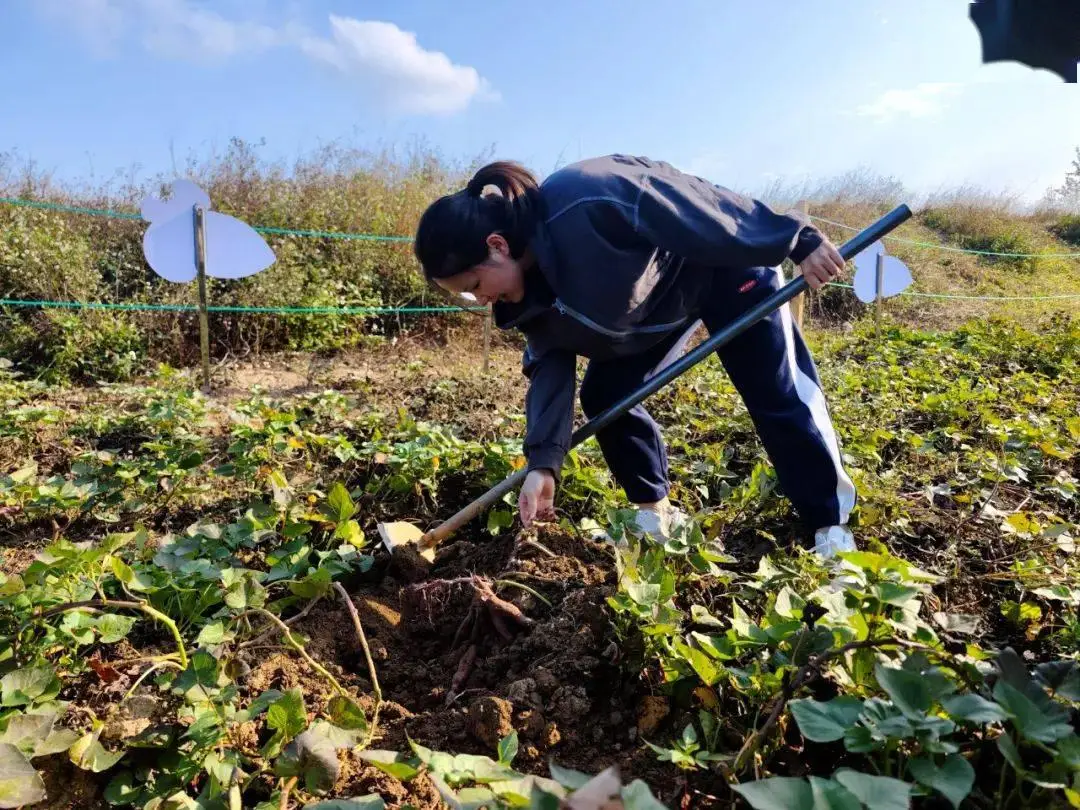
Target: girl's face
[[498, 278]]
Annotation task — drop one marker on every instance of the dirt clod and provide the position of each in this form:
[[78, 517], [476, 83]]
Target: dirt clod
[[524, 692], [489, 719], [652, 711]]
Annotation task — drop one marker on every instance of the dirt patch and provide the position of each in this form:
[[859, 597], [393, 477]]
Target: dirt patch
[[68, 787], [556, 680]]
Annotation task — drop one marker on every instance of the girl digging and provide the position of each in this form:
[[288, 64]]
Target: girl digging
[[616, 259]]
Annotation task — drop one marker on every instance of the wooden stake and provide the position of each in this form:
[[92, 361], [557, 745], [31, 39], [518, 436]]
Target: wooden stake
[[879, 282], [200, 269]]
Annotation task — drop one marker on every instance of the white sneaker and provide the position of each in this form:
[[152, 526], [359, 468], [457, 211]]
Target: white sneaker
[[830, 540]]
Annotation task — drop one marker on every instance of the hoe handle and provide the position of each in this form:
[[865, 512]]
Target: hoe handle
[[485, 501], [859, 242]]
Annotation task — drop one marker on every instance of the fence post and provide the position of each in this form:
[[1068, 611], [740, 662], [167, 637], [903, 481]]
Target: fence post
[[200, 269], [878, 284], [798, 303]]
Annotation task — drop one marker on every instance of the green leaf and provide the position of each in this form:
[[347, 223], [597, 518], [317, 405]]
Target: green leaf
[[258, 706], [339, 505], [351, 533], [567, 777], [643, 593], [778, 793], [1060, 677], [20, 784], [113, 626], [126, 574], [908, 690], [370, 802], [122, 789], [700, 662], [953, 779], [828, 721], [286, 715], [30, 685], [499, 519], [346, 713], [214, 633], [700, 615], [1021, 613], [860, 740], [399, 766], [90, 755], [339, 737], [11, 584], [202, 672], [34, 735], [893, 594], [1009, 750], [317, 583], [974, 709], [1028, 718], [508, 748], [312, 756], [877, 792], [191, 460], [830, 795], [638, 796]]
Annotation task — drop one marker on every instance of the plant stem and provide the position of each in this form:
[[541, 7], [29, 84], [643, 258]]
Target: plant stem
[[156, 665], [525, 588], [285, 790], [296, 645], [367, 656], [291, 620], [235, 801], [116, 603]]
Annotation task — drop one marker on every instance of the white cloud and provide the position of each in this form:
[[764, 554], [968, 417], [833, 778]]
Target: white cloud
[[175, 29], [99, 22], [920, 101], [180, 30], [392, 65], [380, 58]]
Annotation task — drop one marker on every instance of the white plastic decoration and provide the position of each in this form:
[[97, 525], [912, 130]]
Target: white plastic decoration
[[895, 276], [233, 248]]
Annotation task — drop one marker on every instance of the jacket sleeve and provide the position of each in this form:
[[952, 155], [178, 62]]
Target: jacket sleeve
[[713, 226], [549, 407]]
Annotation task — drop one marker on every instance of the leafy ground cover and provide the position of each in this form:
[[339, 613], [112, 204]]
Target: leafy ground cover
[[196, 613]]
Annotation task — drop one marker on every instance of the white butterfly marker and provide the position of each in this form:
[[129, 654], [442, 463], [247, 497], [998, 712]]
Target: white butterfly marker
[[188, 241], [233, 248], [895, 276]]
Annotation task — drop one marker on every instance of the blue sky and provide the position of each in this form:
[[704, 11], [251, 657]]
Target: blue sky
[[740, 92]]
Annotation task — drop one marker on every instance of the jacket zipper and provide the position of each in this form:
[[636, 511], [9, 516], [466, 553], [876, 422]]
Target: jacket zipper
[[612, 333]]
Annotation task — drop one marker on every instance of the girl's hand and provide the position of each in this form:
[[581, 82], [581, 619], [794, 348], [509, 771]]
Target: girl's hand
[[537, 497], [823, 265]]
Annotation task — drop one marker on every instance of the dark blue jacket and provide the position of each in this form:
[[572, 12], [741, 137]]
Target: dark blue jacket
[[626, 248]]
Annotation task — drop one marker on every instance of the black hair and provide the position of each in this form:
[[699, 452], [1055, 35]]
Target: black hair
[[451, 235]]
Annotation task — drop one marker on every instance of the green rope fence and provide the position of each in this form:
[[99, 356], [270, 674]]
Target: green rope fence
[[106, 212], [18, 302]]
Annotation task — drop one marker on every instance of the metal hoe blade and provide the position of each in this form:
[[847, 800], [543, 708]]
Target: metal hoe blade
[[398, 534]]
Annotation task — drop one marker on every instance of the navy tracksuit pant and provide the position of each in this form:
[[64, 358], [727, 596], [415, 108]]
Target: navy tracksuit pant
[[774, 374]]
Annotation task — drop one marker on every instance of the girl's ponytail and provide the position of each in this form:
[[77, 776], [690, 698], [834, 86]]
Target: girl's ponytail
[[452, 234]]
